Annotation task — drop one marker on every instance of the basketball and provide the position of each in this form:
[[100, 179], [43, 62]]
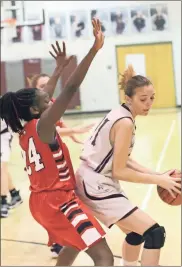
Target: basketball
[[165, 195]]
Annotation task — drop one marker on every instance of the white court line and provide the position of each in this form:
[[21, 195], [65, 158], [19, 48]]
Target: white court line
[[161, 158]]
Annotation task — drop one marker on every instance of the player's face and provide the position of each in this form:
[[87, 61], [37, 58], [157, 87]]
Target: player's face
[[42, 81], [42, 103], [143, 99]]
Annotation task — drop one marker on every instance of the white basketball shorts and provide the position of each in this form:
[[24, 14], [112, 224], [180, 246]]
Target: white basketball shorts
[[103, 195]]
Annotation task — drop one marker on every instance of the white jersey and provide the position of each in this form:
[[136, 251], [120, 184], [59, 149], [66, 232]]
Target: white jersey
[[98, 151], [4, 129], [3, 125], [6, 139]]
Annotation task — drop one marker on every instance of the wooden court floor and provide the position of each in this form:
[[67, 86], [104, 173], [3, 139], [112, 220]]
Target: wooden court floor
[[158, 145]]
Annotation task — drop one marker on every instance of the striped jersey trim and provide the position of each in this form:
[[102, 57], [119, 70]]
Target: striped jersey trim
[[61, 164], [101, 166]]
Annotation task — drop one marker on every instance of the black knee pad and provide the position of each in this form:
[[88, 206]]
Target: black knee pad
[[154, 237], [134, 239]]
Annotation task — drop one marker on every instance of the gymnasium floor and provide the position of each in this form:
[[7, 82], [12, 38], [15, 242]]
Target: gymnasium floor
[[157, 146]]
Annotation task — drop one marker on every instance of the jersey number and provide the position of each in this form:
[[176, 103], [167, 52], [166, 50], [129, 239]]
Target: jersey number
[[33, 157]]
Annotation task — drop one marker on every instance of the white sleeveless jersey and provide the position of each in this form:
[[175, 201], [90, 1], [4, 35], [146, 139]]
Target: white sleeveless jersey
[[98, 152], [5, 132], [3, 125]]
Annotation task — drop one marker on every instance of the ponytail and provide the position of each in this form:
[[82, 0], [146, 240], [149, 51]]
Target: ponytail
[[126, 76], [130, 81]]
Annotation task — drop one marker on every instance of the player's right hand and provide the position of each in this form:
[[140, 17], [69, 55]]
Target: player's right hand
[[171, 184], [99, 36]]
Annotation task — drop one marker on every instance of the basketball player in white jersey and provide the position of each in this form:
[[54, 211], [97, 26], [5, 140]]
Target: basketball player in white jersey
[[7, 185], [106, 161]]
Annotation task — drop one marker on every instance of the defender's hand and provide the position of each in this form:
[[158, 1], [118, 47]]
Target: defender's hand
[[60, 55], [97, 32]]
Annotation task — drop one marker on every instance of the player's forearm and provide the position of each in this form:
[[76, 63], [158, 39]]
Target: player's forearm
[[79, 74], [51, 85], [132, 164], [57, 110], [66, 131], [129, 175]]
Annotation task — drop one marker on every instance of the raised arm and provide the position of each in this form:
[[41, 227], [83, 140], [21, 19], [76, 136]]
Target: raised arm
[[61, 60], [50, 116]]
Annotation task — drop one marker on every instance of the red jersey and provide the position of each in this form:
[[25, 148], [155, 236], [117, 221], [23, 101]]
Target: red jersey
[[49, 166]]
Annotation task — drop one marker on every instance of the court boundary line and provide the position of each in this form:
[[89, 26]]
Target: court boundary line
[[158, 167]]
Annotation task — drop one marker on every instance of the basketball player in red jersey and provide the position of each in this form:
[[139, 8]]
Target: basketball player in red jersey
[[53, 203], [106, 160], [39, 81]]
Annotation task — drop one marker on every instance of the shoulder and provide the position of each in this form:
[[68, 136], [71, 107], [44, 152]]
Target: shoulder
[[122, 128], [126, 122], [123, 124], [30, 125]]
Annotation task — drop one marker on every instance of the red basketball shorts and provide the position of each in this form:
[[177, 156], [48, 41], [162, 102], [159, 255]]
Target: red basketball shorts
[[66, 219]]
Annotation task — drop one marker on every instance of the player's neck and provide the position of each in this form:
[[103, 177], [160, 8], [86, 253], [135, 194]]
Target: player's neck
[[131, 110]]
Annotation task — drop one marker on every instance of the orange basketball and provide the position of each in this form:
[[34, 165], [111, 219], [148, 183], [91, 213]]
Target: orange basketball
[[165, 195]]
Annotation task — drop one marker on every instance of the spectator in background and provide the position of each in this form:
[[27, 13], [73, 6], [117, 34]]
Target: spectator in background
[[36, 32], [118, 20], [94, 14], [77, 26], [120, 24], [139, 21], [159, 20], [56, 26], [18, 37], [80, 28]]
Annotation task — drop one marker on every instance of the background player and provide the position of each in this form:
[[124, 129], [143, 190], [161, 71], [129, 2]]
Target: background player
[[106, 161], [53, 202], [7, 185]]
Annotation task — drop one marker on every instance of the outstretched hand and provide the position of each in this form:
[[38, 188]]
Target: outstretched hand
[[60, 55], [84, 129], [97, 32], [76, 140]]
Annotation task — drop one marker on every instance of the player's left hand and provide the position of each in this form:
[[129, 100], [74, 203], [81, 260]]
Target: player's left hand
[[60, 55], [97, 32]]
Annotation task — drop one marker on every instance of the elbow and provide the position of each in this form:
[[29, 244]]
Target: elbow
[[118, 173]]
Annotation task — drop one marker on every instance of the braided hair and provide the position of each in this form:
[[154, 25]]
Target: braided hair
[[15, 107]]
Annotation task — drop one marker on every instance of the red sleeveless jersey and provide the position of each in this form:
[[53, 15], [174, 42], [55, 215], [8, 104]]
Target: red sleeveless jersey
[[49, 166]]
